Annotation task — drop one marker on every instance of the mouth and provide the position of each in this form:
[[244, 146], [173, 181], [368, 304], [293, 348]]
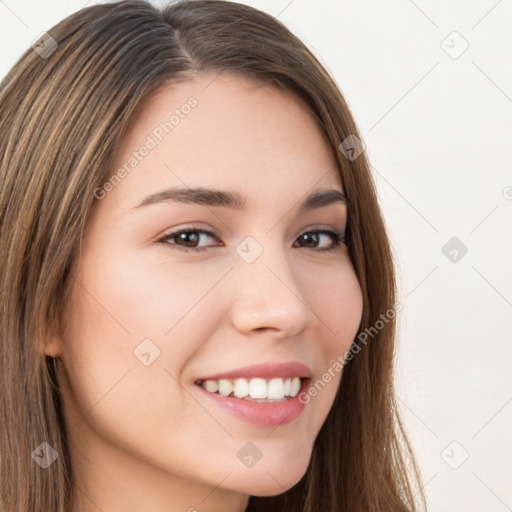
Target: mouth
[[257, 389], [265, 395]]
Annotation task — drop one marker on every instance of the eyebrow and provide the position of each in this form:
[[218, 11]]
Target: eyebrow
[[233, 200]]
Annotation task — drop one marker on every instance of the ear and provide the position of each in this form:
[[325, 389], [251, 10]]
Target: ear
[[52, 346], [51, 343], [57, 325]]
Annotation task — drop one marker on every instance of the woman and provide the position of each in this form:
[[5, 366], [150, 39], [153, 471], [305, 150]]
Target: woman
[[192, 259]]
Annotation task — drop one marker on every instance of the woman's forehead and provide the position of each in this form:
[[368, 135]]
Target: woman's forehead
[[220, 134]]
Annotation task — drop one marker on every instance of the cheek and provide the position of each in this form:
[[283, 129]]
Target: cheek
[[339, 308], [133, 298], [116, 353]]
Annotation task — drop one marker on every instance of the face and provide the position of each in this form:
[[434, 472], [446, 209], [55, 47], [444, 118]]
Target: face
[[186, 300]]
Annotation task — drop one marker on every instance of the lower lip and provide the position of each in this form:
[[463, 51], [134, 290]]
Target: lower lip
[[264, 414]]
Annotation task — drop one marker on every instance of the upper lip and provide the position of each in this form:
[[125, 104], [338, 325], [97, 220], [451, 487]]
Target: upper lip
[[264, 370]]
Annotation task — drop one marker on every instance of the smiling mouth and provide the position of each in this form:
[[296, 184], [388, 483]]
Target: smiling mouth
[[277, 389]]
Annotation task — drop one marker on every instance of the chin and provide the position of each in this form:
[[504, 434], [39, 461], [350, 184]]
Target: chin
[[274, 476], [269, 484]]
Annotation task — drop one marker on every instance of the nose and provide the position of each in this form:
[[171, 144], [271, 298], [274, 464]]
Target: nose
[[268, 296]]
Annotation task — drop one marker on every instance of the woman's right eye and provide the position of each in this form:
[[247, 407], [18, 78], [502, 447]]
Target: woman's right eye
[[184, 236]]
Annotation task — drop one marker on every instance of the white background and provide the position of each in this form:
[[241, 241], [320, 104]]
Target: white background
[[438, 133]]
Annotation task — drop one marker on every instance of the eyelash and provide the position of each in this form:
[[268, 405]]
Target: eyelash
[[335, 237]]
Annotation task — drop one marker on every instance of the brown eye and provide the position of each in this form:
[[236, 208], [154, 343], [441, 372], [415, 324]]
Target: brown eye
[[313, 238], [187, 239]]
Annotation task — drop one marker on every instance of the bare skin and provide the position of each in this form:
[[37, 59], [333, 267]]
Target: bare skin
[[143, 437]]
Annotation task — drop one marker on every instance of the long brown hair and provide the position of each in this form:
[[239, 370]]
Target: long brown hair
[[62, 116]]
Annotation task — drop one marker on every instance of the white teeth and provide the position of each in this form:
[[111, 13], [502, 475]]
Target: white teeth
[[225, 387], [294, 386], [287, 387], [240, 388], [258, 388], [273, 389], [211, 385]]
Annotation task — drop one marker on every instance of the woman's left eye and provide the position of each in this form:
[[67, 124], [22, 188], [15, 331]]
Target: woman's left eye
[[191, 237]]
